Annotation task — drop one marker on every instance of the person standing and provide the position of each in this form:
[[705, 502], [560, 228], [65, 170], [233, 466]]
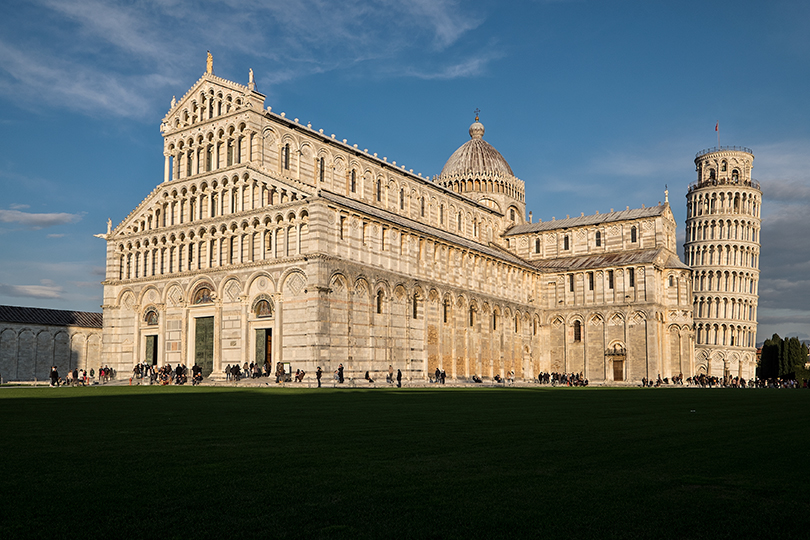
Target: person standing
[[340, 373], [54, 376], [390, 378], [318, 374], [399, 379]]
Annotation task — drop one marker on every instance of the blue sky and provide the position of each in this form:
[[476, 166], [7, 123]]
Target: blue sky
[[594, 104]]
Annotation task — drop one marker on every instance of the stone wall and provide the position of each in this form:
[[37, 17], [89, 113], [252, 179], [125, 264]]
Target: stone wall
[[28, 351]]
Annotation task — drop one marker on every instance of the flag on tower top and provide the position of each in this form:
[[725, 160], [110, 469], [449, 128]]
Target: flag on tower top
[[717, 126]]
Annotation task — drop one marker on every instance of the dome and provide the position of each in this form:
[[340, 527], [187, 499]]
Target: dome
[[476, 156]]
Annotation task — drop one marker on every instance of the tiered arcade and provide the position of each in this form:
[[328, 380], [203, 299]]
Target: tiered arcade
[[722, 247]]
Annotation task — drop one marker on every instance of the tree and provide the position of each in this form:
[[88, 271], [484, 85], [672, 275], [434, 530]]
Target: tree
[[782, 358], [769, 359]]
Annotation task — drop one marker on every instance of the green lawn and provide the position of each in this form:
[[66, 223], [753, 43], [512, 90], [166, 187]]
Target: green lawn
[[183, 462]]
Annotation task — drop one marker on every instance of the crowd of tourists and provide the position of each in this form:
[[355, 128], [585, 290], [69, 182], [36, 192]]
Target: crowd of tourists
[[562, 379], [80, 377], [144, 373]]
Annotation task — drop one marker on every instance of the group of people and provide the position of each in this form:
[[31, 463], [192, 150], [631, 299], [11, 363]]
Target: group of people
[[439, 376], [76, 376], [253, 371], [705, 381], [649, 383], [562, 379], [149, 374]]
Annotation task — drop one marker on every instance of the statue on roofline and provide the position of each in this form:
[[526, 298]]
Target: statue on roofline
[[209, 64]]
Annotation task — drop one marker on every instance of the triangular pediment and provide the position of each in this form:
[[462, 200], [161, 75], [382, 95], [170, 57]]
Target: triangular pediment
[[209, 91]]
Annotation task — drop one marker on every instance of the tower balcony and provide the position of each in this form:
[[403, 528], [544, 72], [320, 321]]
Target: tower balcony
[[723, 148], [709, 182]]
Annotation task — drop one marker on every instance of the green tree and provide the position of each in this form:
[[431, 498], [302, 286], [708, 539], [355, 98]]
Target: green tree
[[769, 359]]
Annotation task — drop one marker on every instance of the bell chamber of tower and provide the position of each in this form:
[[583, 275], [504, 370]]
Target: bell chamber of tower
[[477, 170], [722, 246]]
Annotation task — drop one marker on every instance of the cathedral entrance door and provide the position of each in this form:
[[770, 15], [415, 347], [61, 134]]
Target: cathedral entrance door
[[618, 370], [151, 350], [204, 344], [264, 347]]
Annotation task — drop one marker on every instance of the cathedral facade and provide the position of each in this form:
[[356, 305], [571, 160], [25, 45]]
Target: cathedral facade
[[269, 241]]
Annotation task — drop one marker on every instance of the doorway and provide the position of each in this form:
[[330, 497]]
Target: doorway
[[618, 370], [264, 348], [151, 355], [204, 344]]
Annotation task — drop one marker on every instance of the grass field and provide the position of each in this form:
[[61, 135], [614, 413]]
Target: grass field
[[183, 462]]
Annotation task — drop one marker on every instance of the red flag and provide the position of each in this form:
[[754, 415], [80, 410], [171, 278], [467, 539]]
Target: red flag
[[717, 126]]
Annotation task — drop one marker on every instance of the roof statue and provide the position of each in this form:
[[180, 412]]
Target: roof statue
[[209, 64]]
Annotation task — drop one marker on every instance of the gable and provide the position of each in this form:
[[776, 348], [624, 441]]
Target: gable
[[209, 97]]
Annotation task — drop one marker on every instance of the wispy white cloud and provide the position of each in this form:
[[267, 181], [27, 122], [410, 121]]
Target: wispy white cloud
[[55, 235], [107, 57], [47, 289], [18, 206], [469, 67], [38, 221]]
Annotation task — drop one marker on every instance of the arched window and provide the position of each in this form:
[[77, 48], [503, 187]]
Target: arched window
[[416, 306], [472, 315], [379, 190], [494, 320], [441, 215], [151, 318], [512, 214], [445, 309], [354, 181], [723, 166], [320, 169], [633, 234], [286, 156], [202, 296], [263, 309], [402, 199], [577, 331], [712, 174], [459, 222], [735, 175], [537, 245], [598, 238], [566, 243], [422, 207]]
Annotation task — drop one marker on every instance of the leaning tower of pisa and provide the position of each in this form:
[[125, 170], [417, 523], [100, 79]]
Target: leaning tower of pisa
[[722, 247]]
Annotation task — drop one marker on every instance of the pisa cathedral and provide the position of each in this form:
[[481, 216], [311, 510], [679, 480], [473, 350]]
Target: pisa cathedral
[[269, 241]]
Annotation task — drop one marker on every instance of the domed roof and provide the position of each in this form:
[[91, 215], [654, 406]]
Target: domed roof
[[476, 156]]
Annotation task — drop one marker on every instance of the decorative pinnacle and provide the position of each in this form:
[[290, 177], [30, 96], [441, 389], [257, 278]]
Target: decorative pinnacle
[[477, 112]]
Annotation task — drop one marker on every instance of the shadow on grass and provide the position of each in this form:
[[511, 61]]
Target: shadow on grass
[[383, 463]]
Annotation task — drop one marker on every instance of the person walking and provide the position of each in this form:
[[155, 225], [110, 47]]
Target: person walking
[[399, 379], [318, 374]]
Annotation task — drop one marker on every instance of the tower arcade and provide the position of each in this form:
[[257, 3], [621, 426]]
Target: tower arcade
[[722, 247]]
